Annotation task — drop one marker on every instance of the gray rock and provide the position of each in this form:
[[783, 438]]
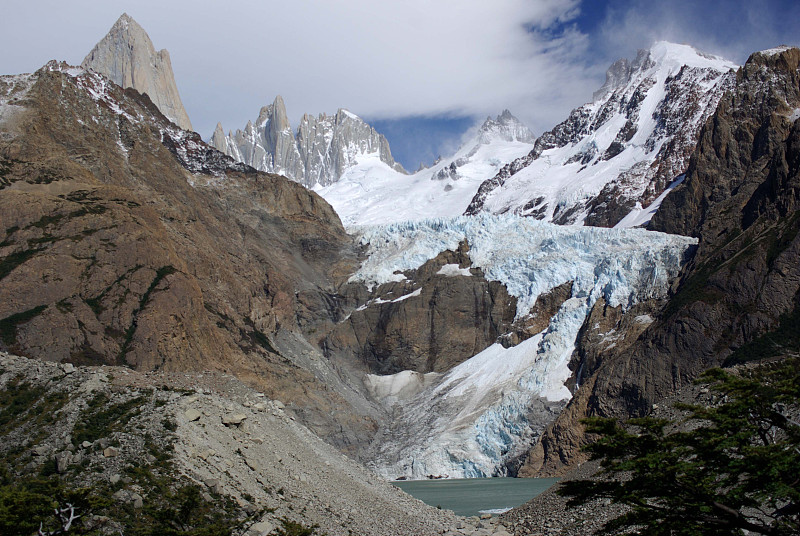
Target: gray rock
[[128, 58], [321, 150], [262, 528], [63, 461], [192, 415], [110, 452], [234, 419]]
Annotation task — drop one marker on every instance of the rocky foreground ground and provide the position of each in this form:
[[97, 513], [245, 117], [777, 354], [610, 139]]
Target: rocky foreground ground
[[218, 433]]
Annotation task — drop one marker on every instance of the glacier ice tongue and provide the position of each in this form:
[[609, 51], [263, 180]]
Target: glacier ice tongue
[[467, 422], [531, 257]]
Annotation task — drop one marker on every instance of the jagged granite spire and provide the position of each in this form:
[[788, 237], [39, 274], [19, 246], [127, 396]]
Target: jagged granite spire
[[128, 58], [321, 150]]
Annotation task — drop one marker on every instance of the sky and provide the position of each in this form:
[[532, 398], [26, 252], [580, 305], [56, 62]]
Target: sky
[[421, 71]]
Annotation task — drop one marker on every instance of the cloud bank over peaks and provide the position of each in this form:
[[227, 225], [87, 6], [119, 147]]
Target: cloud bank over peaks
[[387, 60]]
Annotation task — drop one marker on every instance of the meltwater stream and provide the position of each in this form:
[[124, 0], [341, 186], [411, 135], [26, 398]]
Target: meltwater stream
[[476, 496]]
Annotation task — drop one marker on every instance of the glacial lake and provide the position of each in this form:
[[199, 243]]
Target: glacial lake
[[474, 496]]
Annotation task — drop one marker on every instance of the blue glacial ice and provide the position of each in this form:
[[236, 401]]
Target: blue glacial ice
[[467, 422]]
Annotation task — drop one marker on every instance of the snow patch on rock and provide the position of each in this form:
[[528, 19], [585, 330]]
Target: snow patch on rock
[[452, 270]]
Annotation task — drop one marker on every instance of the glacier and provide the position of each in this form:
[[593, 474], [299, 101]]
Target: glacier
[[470, 420]]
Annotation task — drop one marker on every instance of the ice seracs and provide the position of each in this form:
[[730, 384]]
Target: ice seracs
[[625, 147], [471, 420]]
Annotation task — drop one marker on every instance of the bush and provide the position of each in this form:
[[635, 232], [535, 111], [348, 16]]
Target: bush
[[730, 468]]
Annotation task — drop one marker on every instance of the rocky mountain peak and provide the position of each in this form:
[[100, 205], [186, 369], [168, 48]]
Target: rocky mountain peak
[[616, 155], [321, 150], [616, 77], [782, 58], [127, 57], [505, 127], [218, 136], [274, 116]]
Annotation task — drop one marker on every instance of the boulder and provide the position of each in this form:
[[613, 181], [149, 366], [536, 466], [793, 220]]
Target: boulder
[[262, 528], [234, 419], [192, 415]]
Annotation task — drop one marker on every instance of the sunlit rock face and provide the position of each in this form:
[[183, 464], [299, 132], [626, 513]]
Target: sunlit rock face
[[318, 154], [128, 58]]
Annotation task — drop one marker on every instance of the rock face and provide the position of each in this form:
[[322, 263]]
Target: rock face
[[618, 153], [739, 297], [318, 154], [441, 315], [126, 56], [505, 127], [128, 241]]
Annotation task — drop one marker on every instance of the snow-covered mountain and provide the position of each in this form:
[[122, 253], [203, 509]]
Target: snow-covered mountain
[[619, 153], [373, 193], [322, 150], [474, 418]]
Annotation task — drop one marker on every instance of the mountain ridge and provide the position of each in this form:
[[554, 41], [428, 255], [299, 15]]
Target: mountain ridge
[[321, 150], [738, 296], [619, 152], [373, 194]]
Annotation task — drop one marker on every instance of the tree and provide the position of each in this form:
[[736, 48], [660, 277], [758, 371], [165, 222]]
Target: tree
[[731, 467], [46, 507]]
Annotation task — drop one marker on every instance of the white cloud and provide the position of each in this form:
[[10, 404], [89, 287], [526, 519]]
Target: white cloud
[[383, 59], [379, 59], [730, 28]]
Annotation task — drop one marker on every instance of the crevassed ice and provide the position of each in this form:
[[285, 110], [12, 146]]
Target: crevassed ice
[[467, 422], [531, 257]]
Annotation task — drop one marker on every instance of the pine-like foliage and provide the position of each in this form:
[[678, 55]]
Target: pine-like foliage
[[731, 467]]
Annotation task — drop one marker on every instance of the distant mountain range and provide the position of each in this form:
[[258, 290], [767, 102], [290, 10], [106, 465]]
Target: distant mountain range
[[321, 152], [617, 154], [372, 193], [607, 164]]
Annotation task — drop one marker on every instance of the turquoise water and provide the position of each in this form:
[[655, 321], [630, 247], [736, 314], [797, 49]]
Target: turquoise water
[[473, 496]]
